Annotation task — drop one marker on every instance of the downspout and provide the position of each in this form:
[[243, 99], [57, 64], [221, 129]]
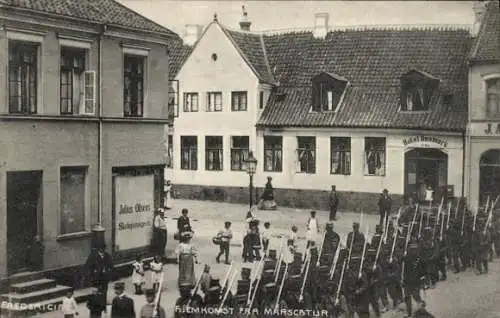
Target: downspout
[[466, 149]]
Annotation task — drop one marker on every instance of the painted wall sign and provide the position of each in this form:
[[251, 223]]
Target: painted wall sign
[[134, 205], [421, 141], [485, 129]]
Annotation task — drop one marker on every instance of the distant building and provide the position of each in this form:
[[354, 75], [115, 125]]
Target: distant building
[[81, 126], [483, 146], [363, 109]]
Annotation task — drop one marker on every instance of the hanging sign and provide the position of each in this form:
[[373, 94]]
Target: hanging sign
[[421, 141]]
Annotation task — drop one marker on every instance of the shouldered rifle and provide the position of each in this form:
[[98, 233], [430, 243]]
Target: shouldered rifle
[[281, 288], [157, 297], [463, 222], [256, 288], [457, 207], [280, 257], [408, 235], [335, 260], [228, 289], [386, 229], [350, 247], [195, 290], [321, 248], [257, 269], [306, 273], [363, 255], [339, 287], [448, 217], [228, 272], [442, 228], [379, 247], [490, 214], [395, 234]]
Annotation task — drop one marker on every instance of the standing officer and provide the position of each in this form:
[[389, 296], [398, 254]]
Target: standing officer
[[333, 203], [384, 206]]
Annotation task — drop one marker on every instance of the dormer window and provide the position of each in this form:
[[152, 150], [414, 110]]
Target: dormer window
[[327, 92], [417, 89]]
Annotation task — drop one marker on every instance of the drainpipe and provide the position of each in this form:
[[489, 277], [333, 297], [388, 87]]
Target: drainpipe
[[466, 149], [98, 237]]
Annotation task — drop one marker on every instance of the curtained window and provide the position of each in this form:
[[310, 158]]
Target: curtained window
[[72, 181], [493, 97], [23, 72], [374, 156], [214, 102], [340, 155], [133, 86], [240, 146], [306, 154], [239, 101], [273, 153], [213, 153], [190, 102], [189, 153], [72, 82]]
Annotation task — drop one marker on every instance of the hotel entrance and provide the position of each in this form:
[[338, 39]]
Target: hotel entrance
[[425, 169]]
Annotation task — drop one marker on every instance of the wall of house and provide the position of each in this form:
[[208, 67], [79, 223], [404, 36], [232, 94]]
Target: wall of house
[[477, 90], [201, 74]]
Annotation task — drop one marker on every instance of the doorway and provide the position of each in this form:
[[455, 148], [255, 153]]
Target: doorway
[[425, 168], [24, 214]]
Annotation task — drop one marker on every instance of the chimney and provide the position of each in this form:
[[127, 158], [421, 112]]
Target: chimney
[[245, 23], [321, 25], [192, 34], [479, 9]]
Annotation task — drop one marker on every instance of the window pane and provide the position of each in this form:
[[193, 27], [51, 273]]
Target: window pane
[[72, 200]]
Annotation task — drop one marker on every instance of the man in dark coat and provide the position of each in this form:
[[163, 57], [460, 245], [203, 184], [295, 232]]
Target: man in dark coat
[[99, 268], [122, 306], [333, 203], [183, 223], [384, 206], [356, 239], [96, 304]]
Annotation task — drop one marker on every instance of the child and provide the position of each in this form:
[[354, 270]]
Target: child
[[156, 270], [289, 252], [293, 236], [265, 235], [205, 279], [138, 276], [69, 305], [96, 304]]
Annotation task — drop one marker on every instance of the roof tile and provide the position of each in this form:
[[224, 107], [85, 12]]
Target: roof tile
[[486, 46]]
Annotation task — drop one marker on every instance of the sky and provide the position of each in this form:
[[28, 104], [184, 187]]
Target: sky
[[279, 15]]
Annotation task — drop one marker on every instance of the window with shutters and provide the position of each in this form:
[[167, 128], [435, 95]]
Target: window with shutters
[[374, 156], [273, 153], [189, 153], [23, 77], [72, 97], [213, 153], [133, 90], [340, 156], [417, 89], [239, 101], [190, 102], [306, 154], [73, 199], [240, 146], [173, 98], [214, 102], [327, 92], [493, 97]]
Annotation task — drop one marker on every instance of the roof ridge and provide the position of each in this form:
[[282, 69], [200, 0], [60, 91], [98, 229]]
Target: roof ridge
[[377, 27], [266, 59]]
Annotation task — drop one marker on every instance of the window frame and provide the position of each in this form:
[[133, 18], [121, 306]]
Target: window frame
[[216, 147], [74, 109], [213, 94], [189, 96], [496, 79], [345, 171], [272, 147], [173, 102], [242, 153], [299, 151], [193, 153], [239, 97], [86, 201], [366, 154], [136, 79]]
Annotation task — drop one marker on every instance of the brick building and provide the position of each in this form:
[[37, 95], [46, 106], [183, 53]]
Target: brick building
[[84, 106]]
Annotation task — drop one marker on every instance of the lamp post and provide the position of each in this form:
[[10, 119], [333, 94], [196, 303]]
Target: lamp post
[[251, 164]]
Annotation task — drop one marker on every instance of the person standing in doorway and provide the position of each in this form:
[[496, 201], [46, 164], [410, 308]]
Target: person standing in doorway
[[225, 236], [159, 233], [333, 202], [384, 206]]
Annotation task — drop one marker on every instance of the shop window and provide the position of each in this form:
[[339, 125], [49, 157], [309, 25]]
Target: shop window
[[240, 146], [306, 154], [189, 153], [170, 151], [327, 92], [173, 98], [133, 89], [489, 175], [190, 102], [273, 153], [72, 199], [374, 156], [238, 101], [23, 77], [214, 102], [213, 153], [340, 155], [493, 97], [417, 89]]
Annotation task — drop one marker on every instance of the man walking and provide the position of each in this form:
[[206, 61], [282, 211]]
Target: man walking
[[183, 223], [225, 236], [384, 206], [122, 306], [333, 202], [99, 268]]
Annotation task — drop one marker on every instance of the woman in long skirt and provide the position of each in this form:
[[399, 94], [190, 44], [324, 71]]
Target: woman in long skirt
[[187, 257], [168, 195]]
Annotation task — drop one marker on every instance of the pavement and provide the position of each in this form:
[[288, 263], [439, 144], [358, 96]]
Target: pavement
[[462, 296]]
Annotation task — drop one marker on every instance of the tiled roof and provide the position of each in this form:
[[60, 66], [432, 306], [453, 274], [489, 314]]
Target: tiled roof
[[178, 55], [486, 46], [100, 11], [253, 49], [373, 62]]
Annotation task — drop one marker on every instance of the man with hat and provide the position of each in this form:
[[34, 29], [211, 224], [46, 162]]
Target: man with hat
[[122, 306], [333, 203], [159, 233], [225, 236], [99, 268], [356, 239], [151, 309], [183, 223], [384, 206]]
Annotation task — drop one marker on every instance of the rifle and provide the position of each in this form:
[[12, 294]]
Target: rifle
[[301, 297], [306, 261], [408, 235], [420, 222], [393, 245], [442, 227], [321, 248], [195, 290], [281, 288], [363, 255], [386, 228], [427, 220], [448, 217], [337, 297], [259, 265], [157, 297], [335, 260], [379, 247], [228, 289], [456, 209], [490, 214], [280, 256], [224, 281], [350, 248], [256, 288], [463, 222], [437, 220]]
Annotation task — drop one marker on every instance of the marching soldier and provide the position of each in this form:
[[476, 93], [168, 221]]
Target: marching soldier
[[356, 239], [412, 274], [454, 245], [332, 242], [428, 257], [481, 243], [373, 275]]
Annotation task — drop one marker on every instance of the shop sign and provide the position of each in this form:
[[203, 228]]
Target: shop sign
[[134, 207], [421, 141], [485, 129]]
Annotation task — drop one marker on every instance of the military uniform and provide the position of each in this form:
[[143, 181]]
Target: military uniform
[[356, 239], [412, 276]]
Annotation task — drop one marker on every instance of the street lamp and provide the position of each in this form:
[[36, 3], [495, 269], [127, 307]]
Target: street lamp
[[251, 164]]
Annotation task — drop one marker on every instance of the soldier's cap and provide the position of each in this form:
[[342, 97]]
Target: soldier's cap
[[149, 292], [119, 285]]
